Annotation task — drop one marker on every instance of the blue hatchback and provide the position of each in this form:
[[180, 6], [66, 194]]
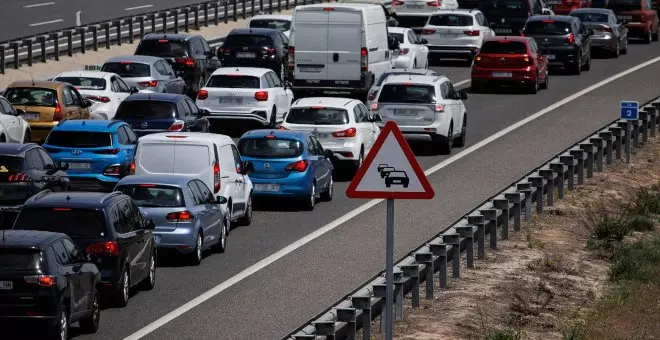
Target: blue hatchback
[[288, 164], [99, 152]]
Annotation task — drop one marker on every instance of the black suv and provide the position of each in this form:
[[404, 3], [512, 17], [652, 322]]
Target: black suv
[[508, 17], [109, 227], [563, 39], [26, 169], [191, 57], [46, 284], [256, 47]]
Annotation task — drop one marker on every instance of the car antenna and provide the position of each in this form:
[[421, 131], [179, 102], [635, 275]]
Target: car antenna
[[31, 76], [68, 198]]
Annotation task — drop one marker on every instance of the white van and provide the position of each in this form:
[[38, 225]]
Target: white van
[[337, 47], [213, 158]]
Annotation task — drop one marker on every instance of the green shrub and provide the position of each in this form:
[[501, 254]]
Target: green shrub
[[639, 261], [504, 334], [646, 201], [641, 223]]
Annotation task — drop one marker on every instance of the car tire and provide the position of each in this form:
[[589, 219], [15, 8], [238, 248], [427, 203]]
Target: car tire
[[197, 254], [90, 324], [587, 66], [445, 144], [310, 201], [460, 141], [358, 162], [545, 83], [149, 282], [27, 138], [577, 68], [477, 87], [617, 50], [654, 36], [222, 243], [533, 88], [246, 219], [122, 291], [60, 330], [327, 194], [273, 118], [624, 49], [648, 38]]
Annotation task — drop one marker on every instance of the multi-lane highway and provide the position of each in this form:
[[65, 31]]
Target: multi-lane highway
[[275, 275]]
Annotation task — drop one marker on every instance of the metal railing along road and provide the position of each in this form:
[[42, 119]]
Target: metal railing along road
[[482, 227]]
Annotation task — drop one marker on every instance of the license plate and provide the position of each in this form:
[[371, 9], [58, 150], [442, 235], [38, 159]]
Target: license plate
[[245, 55], [31, 116], [415, 6], [501, 74], [310, 69], [404, 112], [80, 166], [230, 100], [6, 285], [502, 30], [554, 2], [625, 17], [322, 135], [267, 187], [157, 239], [551, 57]]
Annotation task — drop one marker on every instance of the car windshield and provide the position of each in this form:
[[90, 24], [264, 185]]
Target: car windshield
[[618, 5], [10, 164], [450, 20], [75, 222], [398, 36], [282, 25], [503, 7], [247, 40], [145, 109], [270, 148], [151, 195], [79, 139], [385, 75], [397, 174], [403, 93], [547, 27], [161, 48], [31, 96], [127, 69], [19, 259], [591, 17], [84, 83], [231, 81], [503, 47], [317, 116]]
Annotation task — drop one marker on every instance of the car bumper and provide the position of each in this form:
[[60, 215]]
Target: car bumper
[[638, 30], [563, 57], [403, 61], [294, 185], [259, 116], [607, 42], [428, 132], [40, 130], [340, 86], [181, 239], [467, 51], [349, 151], [517, 75], [92, 182]]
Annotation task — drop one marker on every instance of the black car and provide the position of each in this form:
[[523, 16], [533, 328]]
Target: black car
[[161, 112], [191, 57], [257, 47], [563, 39], [46, 284], [397, 177], [508, 17], [26, 169], [109, 227]]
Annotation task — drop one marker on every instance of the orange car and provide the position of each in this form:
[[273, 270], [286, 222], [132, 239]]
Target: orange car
[[46, 103], [639, 17]]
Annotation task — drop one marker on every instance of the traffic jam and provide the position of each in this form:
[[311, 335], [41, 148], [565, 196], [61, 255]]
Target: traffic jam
[[103, 170]]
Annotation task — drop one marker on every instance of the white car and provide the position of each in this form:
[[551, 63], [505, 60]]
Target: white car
[[275, 21], [342, 125], [412, 52], [245, 94], [13, 128], [373, 91], [424, 107], [415, 13], [456, 33], [104, 89]]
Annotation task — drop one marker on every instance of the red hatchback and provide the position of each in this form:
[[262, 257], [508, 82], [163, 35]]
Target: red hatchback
[[510, 60], [563, 7]]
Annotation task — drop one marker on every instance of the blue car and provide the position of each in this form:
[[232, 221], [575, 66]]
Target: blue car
[[289, 164], [98, 152], [187, 216]]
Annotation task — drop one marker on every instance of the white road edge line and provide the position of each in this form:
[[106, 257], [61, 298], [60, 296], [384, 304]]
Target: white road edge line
[[39, 5], [46, 22], [137, 7], [341, 220]]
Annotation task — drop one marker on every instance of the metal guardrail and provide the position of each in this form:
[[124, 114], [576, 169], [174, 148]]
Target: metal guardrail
[[481, 226]]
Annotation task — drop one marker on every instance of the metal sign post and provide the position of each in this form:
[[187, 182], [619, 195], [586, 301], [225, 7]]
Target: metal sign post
[[389, 271]]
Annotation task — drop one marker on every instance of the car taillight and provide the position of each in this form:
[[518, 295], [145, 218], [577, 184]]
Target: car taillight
[[178, 125], [364, 59], [374, 106], [102, 99], [58, 112], [41, 280], [472, 33], [291, 58], [202, 94], [180, 216], [299, 166], [187, 62], [132, 171], [270, 51], [427, 31], [404, 51], [151, 83], [434, 3], [371, 96], [350, 132], [528, 60], [439, 108], [108, 248], [261, 96], [112, 170], [107, 152], [283, 128], [216, 177], [18, 178], [604, 28], [398, 3], [570, 39]]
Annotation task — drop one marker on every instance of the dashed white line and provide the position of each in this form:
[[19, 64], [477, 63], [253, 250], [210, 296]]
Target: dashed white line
[[137, 7], [39, 5], [46, 22]]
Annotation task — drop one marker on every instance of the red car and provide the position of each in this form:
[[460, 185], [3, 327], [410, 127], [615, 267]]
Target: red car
[[563, 7], [511, 60]]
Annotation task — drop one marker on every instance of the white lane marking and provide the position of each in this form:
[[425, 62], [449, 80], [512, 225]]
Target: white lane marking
[[39, 5], [355, 212], [137, 7], [46, 22]]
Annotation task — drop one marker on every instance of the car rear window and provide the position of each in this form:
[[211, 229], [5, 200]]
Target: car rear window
[[19, 259], [234, 81], [398, 36], [127, 69], [161, 48], [74, 222], [282, 25], [182, 158], [397, 174], [507, 7], [154, 196], [10, 163], [317, 116], [79, 139], [618, 5], [145, 109], [270, 148], [387, 74], [591, 17], [401, 93], [247, 40], [503, 47], [31, 96], [84, 83], [450, 20], [547, 27]]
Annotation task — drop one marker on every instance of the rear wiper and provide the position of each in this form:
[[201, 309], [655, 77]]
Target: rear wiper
[[150, 205]]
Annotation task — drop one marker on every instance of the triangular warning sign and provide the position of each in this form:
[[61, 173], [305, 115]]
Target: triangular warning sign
[[390, 170]]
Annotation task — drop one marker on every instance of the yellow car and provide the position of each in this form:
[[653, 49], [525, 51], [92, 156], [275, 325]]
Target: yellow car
[[46, 103]]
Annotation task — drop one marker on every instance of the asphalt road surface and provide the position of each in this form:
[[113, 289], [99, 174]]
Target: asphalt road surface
[[283, 292]]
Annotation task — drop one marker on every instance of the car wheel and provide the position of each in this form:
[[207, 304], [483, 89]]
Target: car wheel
[[273, 118], [414, 64], [311, 200], [460, 141], [654, 36], [28, 137], [648, 38], [327, 194], [247, 217], [60, 330], [196, 255], [533, 88], [476, 87], [90, 324], [358, 162], [577, 68], [617, 50], [222, 243], [624, 49], [122, 292], [150, 281], [544, 84], [446, 143], [587, 66]]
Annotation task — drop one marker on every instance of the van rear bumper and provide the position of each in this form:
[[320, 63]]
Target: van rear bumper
[[352, 86]]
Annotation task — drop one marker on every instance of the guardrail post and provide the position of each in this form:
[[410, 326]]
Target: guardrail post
[[588, 148], [348, 315], [549, 177], [261, 6], [656, 105], [644, 125], [28, 46], [440, 250], [131, 32], [106, 26], [83, 44], [279, 5], [252, 8], [606, 136], [41, 40], [398, 295], [364, 303], [152, 18], [411, 272], [490, 216], [243, 11], [467, 233], [286, 4], [455, 242], [558, 168], [617, 135], [325, 328], [503, 205], [205, 9], [635, 133], [186, 19], [598, 156], [652, 112], [628, 147], [426, 259], [117, 24], [17, 59], [270, 6], [569, 162], [2, 59], [95, 37], [195, 10], [216, 12], [579, 156], [226, 14], [478, 221], [516, 199], [69, 42], [140, 20], [56, 45], [537, 182], [235, 11], [526, 188], [295, 3], [380, 292], [175, 12], [163, 16]]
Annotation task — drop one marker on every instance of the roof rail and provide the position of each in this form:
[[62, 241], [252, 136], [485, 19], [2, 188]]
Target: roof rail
[[109, 196]]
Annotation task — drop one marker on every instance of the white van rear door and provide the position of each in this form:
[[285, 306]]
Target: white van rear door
[[344, 44], [311, 44], [154, 158], [191, 159]]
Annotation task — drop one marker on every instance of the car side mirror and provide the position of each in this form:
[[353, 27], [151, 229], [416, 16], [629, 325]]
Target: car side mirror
[[247, 168], [376, 118], [149, 224], [328, 153], [423, 41], [134, 90], [462, 96], [287, 84], [220, 200], [64, 166], [393, 43], [546, 11], [86, 103], [20, 112], [204, 113]]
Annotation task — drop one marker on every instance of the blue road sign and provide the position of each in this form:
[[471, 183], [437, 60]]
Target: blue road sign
[[629, 110]]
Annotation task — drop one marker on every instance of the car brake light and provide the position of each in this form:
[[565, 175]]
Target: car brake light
[[291, 60], [398, 3], [58, 112], [107, 151], [570, 39], [528, 60], [132, 171], [41, 280], [125, 62], [270, 51], [328, 9], [216, 177], [439, 108], [261, 96], [180, 216], [178, 125], [163, 41], [427, 31], [350, 132], [188, 62], [177, 137], [434, 3], [604, 28], [299, 166], [147, 185], [202, 94], [18, 178], [472, 33], [270, 137], [112, 170], [108, 248], [102, 99], [478, 58], [151, 83], [364, 59], [548, 21], [404, 51], [374, 106], [283, 128]]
